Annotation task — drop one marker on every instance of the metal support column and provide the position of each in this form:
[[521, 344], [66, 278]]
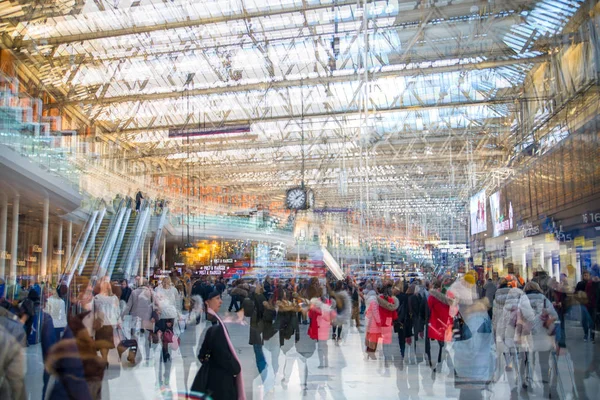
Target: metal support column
[[69, 241], [59, 266], [44, 255], [3, 222], [14, 240]]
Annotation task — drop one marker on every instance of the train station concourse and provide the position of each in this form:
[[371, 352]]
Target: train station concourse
[[299, 199]]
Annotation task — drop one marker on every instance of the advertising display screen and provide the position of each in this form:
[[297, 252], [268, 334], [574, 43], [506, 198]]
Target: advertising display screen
[[502, 214], [478, 213]]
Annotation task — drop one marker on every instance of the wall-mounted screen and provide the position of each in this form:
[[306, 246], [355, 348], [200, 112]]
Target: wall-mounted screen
[[502, 214], [478, 213]]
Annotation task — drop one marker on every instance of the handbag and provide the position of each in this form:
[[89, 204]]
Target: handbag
[[125, 344], [460, 330], [548, 321]]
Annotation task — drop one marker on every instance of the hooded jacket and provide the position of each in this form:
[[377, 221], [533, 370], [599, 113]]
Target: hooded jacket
[[343, 304], [439, 315], [320, 315], [540, 339]]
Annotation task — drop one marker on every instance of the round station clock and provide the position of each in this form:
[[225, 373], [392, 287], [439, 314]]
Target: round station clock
[[296, 198]]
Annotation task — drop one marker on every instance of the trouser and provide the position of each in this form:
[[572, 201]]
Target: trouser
[[587, 322], [323, 352], [261, 361], [234, 303], [439, 359], [402, 342], [356, 314], [339, 331]]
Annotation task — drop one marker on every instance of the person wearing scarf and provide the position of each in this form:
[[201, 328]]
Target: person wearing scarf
[[224, 381]]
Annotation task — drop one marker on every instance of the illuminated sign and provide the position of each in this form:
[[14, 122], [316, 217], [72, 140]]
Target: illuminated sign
[[197, 131]]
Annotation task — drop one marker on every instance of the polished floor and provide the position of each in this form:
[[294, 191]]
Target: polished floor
[[349, 375]]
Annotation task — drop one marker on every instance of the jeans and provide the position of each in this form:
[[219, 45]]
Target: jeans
[[588, 323], [402, 341], [234, 303], [261, 361]]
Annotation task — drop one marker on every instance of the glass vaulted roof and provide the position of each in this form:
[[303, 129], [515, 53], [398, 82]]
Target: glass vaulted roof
[[405, 93]]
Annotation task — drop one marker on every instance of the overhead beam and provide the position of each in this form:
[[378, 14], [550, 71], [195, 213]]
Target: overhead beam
[[132, 30], [326, 114], [279, 84]]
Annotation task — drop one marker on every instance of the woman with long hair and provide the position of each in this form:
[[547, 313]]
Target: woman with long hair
[[106, 317], [221, 373], [166, 299]]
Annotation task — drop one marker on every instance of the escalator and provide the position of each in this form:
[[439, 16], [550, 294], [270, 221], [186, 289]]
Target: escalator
[[110, 244]]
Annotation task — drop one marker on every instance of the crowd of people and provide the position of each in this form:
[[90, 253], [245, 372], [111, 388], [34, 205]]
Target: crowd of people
[[481, 330]]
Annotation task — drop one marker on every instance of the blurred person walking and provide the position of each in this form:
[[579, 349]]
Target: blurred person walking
[[106, 317], [165, 301], [56, 308], [139, 307], [542, 337], [320, 315], [440, 320]]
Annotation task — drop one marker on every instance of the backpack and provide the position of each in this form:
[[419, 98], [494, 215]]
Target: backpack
[[248, 306]]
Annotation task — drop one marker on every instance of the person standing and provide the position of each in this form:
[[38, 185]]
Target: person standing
[[439, 318], [220, 375], [586, 292], [489, 291], [125, 291], [106, 317], [138, 200]]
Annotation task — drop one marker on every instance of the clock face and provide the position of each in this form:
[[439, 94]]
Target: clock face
[[296, 199]]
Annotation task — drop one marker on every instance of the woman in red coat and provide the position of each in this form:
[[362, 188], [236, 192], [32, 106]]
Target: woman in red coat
[[439, 316]]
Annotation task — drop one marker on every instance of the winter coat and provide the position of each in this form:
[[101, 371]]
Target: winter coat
[[475, 358], [343, 308], [320, 315], [540, 339], [223, 367], [490, 291], [140, 305], [12, 367], [256, 320], [125, 293], [514, 318], [498, 306], [416, 310], [463, 296], [403, 315], [107, 309], [166, 302], [55, 307], [439, 315]]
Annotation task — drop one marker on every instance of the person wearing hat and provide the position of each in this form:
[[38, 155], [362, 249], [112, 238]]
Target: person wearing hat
[[220, 375], [463, 292]]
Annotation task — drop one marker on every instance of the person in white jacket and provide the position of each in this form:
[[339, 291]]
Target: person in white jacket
[[165, 299], [56, 308], [541, 339], [512, 330]]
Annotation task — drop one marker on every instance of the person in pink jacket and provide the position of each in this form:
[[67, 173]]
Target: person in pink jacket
[[320, 315]]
